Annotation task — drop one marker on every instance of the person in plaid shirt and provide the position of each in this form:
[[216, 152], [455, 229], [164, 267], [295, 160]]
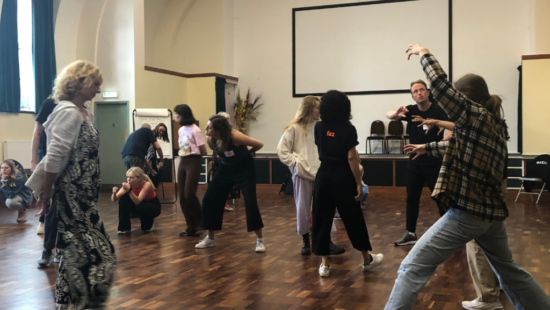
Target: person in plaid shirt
[[470, 184]]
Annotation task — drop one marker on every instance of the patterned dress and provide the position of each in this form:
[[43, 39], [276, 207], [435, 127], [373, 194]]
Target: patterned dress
[[87, 269]]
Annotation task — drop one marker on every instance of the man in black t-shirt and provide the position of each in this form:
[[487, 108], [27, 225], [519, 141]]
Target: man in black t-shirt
[[135, 149], [422, 169], [40, 143]]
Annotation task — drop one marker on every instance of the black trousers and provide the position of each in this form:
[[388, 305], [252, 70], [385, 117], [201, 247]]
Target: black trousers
[[50, 229], [417, 175], [243, 173], [335, 187], [146, 210]]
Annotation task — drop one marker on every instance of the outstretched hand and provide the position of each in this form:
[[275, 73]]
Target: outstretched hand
[[416, 49], [429, 123], [401, 111], [418, 149]]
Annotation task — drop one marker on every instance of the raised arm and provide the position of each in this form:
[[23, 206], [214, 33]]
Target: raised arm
[[241, 139], [461, 111]]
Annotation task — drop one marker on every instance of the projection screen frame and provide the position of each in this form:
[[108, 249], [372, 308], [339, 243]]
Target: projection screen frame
[[366, 92]]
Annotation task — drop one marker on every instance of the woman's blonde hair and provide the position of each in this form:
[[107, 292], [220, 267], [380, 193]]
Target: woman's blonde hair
[[138, 173], [13, 174], [304, 116], [74, 78]]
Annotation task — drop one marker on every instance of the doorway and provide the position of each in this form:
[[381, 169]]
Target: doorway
[[111, 120]]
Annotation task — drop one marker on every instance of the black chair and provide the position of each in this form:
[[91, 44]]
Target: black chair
[[538, 170], [377, 132], [395, 131]]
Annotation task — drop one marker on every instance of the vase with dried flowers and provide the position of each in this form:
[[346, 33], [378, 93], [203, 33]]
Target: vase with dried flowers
[[246, 109]]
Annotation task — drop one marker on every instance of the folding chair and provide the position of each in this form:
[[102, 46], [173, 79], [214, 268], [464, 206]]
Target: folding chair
[[538, 170]]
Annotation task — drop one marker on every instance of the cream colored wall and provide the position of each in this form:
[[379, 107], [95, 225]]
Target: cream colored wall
[[16, 127], [201, 97], [536, 110], [263, 60], [156, 90], [188, 36], [542, 24]]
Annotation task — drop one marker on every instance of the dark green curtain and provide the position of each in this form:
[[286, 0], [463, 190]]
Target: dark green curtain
[[220, 94], [43, 49], [10, 90]]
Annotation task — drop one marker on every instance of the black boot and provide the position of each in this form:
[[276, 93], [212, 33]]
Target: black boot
[[306, 248], [334, 250]]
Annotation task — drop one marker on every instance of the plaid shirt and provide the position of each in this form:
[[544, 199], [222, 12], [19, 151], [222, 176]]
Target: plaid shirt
[[474, 158]]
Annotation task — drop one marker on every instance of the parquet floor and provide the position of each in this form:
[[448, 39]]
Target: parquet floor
[[162, 270]]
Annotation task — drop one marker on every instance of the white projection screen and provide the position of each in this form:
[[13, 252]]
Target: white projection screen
[[359, 48]]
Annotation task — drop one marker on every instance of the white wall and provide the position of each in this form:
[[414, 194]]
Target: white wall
[[187, 35], [263, 60]]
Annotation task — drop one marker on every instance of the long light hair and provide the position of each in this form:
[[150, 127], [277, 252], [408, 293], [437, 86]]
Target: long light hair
[[142, 176], [220, 124], [304, 116], [74, 78], [13, 175]]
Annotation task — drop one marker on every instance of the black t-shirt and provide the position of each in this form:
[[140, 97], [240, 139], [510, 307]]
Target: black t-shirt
[[334, 140], [45, 110], [138, 143], [417, 135]]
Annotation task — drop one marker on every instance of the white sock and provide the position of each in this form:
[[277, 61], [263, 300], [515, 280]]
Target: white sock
[[412, 234]]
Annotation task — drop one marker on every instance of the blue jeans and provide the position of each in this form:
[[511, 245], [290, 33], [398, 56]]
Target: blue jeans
[[447, 235]]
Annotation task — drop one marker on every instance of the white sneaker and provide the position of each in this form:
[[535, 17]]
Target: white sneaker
[[206, 243], [479, 305], [151, 229], [324, 271], [123, 232], [40, 229], [260, 245], [376, 261]]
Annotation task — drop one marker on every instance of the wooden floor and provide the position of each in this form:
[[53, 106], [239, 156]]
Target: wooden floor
[[161, 270]]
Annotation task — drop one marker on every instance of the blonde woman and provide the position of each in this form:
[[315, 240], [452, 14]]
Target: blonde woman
[[87, 269], [13, 191], [298, 151], [137, 196]]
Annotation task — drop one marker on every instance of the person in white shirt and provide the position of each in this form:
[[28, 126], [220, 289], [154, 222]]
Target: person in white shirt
[[298, 151]]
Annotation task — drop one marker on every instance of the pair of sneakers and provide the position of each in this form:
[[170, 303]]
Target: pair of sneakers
[[480, 305], [44, 261], [376, 260], [210, 243]]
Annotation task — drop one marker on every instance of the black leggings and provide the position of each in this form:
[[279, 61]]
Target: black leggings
[[417, 175], [244, 172], [335, 187], [146, 210]]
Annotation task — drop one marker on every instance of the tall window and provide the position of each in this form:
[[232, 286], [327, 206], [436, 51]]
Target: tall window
[[26, 68]]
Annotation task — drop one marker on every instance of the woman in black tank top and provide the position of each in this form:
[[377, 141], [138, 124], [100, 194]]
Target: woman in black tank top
[[236, 167]]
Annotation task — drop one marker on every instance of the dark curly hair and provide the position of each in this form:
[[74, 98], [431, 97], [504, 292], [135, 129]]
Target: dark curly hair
[[335, 107]]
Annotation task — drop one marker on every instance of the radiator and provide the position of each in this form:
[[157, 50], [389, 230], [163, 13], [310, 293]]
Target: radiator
[[20, 151]]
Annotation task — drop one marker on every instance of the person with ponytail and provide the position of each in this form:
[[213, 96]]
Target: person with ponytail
[[470, 185], [236, 166], [137, 196], [485, 281]]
